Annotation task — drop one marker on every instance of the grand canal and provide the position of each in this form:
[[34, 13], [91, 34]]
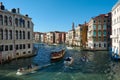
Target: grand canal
[[98, 67]]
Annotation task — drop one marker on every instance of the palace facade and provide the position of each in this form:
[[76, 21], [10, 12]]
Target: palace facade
[[16, 34]]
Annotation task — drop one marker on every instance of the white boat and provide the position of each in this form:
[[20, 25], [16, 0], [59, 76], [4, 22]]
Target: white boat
[[68, 61], [69, 48], [23, 71], [33, 69]]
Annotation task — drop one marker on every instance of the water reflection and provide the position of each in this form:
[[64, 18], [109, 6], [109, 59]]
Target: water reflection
[[98, 67]]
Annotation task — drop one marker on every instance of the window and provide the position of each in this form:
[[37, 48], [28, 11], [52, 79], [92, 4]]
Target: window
[[17, 53], [24, 52], [1, 20], [94, 33], [5, 20], [105, 39], [20, 46], [104, 45], [99, 45], [11, 47], [99, 33], [6, 47], [20, 33], [94, 27], [99, 27], [114, 32], [104, 27], [23, 34], [28, 24], [29, 51], [16, 22], [94, 45], [10, 21], [6, 34], [104, 21], [23, 23], [1, 34], [114, 21], [17, 47], [114, 12], [94, 39], [1, 48], [10, 34], [23, 46], [20, 22], [104, 33], [28, 35], [16, 34], [28, 45], [99, 39]]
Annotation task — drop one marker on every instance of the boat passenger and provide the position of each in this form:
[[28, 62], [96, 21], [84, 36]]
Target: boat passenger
[[29, 66], [20, 69]]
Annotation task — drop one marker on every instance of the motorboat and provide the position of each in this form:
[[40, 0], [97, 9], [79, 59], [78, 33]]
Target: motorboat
[[30, 69], [23, 71], [57, 54], [84, 59], [68, 61], [69, 48]]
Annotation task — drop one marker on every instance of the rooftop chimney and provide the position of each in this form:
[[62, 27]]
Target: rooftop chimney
[[2, 6], [18, 10]]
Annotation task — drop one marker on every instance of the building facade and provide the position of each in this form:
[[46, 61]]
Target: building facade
[[116, 29], [70, 36], [63, 37], [16, 34], [99, 31], [50, 37], [42, 37], [37, 37], [78, 35], [84, 35]]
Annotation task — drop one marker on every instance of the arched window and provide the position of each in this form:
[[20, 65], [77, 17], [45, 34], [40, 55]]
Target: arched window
[[6, 20], [10, 34], [23, 34], [16, 22], [20, 22], [1, 20], [23, 23], [10, 21], [1, 34], [16, 34], [6, 34], [28, 24], [20, 34]]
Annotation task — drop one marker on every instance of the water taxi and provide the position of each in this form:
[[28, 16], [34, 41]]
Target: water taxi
[[23, 71], [68, 61], [57, 54]]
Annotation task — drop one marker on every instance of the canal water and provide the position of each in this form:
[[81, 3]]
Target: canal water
[[98, 66]]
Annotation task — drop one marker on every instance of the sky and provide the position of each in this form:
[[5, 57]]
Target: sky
[[58, 15]]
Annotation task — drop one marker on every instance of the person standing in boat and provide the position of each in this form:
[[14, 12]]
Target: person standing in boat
[[30, 66]]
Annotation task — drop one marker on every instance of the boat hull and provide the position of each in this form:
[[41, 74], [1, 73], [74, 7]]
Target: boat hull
[[58, 57], [27, 71], [68, 62]]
